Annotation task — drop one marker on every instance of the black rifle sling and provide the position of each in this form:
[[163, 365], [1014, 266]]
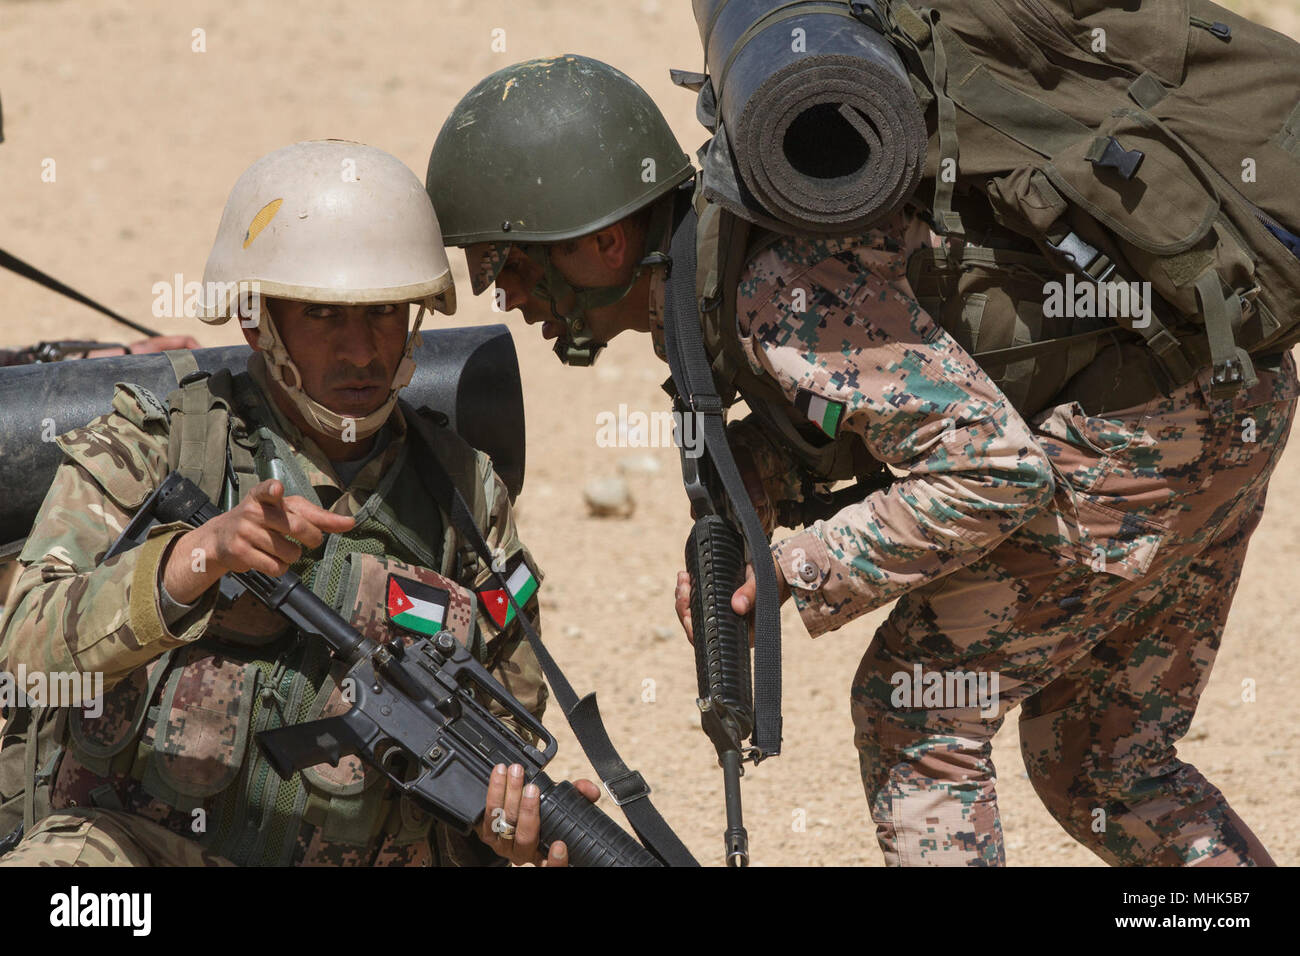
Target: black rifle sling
[[28, 271], [693, 379], [626, 786]]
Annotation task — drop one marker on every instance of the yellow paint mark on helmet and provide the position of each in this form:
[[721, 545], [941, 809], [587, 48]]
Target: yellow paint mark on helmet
[[506, 91], [260, 221]]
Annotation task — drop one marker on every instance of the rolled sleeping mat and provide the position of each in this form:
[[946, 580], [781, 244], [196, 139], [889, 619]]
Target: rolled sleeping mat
[[815, 112], [469, 374]]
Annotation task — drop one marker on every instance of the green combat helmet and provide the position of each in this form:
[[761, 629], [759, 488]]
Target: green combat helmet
[[545, 151]]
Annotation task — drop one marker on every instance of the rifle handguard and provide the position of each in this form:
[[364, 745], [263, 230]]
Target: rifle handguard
[[715, 561], [591, 837]]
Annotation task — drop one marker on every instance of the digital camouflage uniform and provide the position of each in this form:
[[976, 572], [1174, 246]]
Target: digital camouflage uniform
[[170, 765], [1089, 564]]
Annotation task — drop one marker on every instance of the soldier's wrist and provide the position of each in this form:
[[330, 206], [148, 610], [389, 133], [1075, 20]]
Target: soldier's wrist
[[185, 573]]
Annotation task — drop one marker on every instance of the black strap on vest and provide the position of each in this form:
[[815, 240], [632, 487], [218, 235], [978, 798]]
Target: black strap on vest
[[697, 393], [626, 786]]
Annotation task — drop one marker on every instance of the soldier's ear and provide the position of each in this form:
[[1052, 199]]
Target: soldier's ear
[[614, 246]]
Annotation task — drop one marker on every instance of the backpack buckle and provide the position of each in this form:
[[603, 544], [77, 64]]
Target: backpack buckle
[[1083, 256], [1107, 152], [1227, 378]]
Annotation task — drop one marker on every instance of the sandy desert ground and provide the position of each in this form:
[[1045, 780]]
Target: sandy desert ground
[[148, 136]]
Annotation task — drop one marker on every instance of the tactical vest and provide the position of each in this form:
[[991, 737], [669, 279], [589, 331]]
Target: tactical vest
[[175, 739]]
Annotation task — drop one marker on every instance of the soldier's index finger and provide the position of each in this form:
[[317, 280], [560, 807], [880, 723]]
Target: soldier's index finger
[[320, 517]]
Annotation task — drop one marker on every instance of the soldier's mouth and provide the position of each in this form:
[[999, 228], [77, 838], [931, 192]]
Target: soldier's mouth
[[357, 397]]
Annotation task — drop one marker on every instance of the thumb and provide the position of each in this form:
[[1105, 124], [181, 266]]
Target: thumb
[[743, 600]]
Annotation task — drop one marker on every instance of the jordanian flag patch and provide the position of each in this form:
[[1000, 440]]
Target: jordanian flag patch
[[416, 607], [823, 413], [522, 584]]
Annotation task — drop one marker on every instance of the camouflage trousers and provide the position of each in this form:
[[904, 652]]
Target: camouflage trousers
[[92, 837], [1101, 618]]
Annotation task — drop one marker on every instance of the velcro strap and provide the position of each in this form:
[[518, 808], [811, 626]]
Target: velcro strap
[[1146, 91], [183, 364], [910, 22]]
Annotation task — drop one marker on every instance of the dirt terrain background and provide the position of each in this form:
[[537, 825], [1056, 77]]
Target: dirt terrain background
[[148, 136]]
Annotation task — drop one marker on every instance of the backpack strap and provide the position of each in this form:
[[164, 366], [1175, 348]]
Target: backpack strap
[[627, 787], [194, 452], [201, 448]]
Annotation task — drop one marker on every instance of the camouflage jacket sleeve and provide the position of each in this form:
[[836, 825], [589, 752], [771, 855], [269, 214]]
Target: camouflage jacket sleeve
[[834, 322], [69, 612], [510, 657]]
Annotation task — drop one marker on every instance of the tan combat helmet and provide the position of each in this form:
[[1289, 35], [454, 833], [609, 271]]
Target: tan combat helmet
[[336, 223]]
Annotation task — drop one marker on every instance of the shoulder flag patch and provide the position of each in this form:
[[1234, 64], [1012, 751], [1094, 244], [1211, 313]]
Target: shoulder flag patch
[[522, 584], [416, 607], [822, 412]]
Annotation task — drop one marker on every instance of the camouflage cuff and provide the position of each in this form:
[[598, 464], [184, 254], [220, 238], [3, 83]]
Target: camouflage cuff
[[145, 606], [805, 563]]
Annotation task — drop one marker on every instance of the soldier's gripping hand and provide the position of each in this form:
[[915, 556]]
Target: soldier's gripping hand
[[264, 532], [512, 819], [742, 599], [158, 343]]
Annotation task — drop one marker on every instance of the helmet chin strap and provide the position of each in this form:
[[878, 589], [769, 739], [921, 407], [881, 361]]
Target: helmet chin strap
[[345, 427], [577, 345]]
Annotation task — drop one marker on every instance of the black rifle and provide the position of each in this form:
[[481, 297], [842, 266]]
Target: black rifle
[[732, 704], [415, 718], [715, 561]]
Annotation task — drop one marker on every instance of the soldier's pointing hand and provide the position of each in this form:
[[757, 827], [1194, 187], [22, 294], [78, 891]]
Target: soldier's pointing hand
[[264, 532]]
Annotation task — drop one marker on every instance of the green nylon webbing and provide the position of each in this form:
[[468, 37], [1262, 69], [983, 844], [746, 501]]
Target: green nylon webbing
[[1146, 91], [1222, 315], [948, 220], [201, 461]]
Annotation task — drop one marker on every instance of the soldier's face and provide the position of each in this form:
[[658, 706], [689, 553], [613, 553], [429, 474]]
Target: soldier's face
[[347, 354], [514, 289], [600, 260]]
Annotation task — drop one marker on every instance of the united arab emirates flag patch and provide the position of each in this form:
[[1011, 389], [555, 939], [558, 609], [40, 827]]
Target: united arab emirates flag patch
[[822, 412], [416, 607], [522, 584]]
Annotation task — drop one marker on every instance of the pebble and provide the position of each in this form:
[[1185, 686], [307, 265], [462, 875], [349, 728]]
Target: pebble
[[663, 633], [608, 498], [572, 630], [640, 465]]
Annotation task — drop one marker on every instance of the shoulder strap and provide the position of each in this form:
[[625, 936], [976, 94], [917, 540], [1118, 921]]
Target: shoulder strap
[[697, 394], [199, 447], [627, 787]]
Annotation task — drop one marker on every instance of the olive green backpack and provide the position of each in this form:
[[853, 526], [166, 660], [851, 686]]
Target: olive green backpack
[[1147, 141]]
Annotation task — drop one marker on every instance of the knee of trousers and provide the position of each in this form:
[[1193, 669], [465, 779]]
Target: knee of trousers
[[941, 743], [76, 837], [1071, 792]]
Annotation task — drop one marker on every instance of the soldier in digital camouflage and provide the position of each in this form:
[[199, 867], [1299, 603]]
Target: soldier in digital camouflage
[[1086, 563], [313, 460]]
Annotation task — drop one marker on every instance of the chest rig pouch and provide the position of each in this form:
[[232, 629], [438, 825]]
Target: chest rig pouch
[[180, 731]]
